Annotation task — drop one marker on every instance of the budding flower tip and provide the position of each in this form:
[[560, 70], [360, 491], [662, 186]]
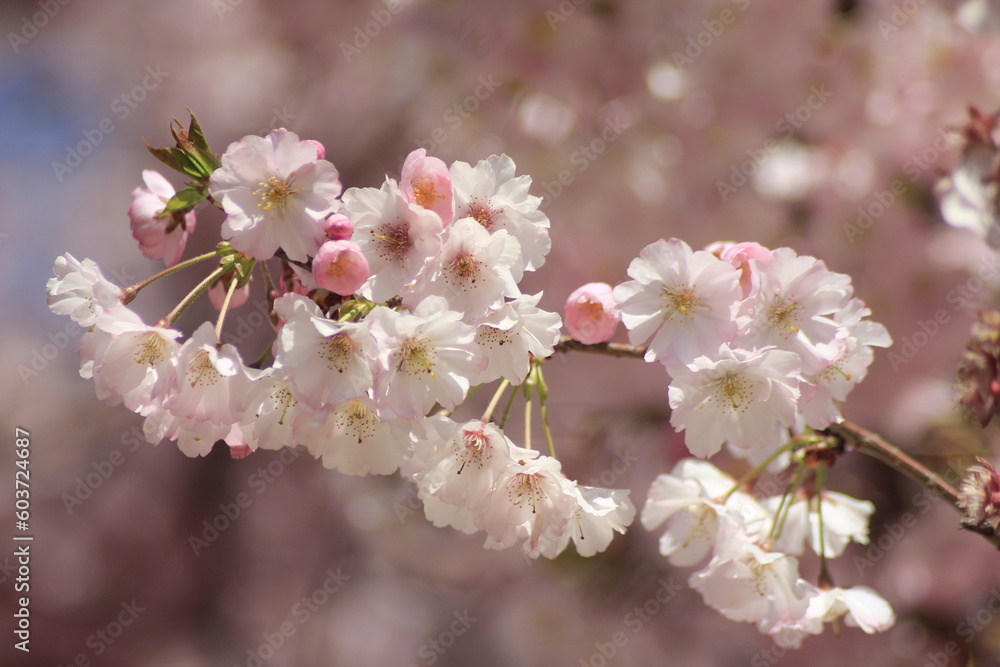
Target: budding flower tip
[[128, 294]]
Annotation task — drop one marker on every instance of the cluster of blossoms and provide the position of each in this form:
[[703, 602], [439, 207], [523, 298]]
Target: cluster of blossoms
[[752, 573], [757, 342], [761, 347], [393, 303]]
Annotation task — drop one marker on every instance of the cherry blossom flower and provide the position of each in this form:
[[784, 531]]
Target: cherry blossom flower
[[507, 338], [211, 381], [426, 182], [340, 267], [425, 358], [860, 606], [160, 236], [326, 361], [598, 515], [80, 290], [794, 307], [464, 461], [746, 583], [590, 313], [683, 303], [271, 412], [532, 501], [353, 439], [746, 398], [275, 192], [473, 271], [494, 197], [194, 437], [689, 499], [396, 237], [134, 362]]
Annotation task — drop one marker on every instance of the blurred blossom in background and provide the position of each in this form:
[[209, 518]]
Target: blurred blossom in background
[[821, 126]]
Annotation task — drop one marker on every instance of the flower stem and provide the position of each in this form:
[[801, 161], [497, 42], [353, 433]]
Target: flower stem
[[760, 468], [229, 296], [542, 390], [259, 361], [130, 292], [192, 296], [527, 422], [501, 388], [825, 579], [506, 410]]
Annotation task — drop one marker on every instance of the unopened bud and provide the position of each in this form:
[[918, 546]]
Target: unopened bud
[[979, 498], [590, 314]]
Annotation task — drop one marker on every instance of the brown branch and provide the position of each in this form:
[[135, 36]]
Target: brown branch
[[875, 446], [607, 349]]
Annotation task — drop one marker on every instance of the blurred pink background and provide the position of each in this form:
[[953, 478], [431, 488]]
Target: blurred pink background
[[835, 100]]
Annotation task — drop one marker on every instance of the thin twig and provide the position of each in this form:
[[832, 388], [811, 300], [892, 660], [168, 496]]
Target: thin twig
[[607, 349]]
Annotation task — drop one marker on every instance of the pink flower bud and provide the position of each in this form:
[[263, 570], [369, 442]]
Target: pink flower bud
[[739, 255], [426, 181], [320, 150], [217, 292], [590, 314], [160, 236], [340, 267], [338, 227]]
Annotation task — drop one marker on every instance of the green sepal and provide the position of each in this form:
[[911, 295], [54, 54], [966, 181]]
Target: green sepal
[[186, 199]]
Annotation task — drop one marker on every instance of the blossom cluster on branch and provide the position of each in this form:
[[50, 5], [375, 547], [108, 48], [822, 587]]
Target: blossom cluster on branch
[[393, 303]]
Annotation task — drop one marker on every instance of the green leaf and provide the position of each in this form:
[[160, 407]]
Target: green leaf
[[174, 158], [186, 198], [205, 159], [195, 133]]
